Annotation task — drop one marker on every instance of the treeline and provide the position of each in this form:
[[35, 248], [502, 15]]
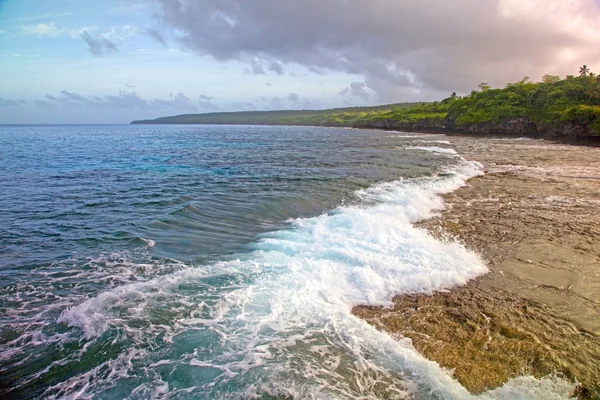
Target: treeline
[[553, 107], [336, 116], [563, 108]]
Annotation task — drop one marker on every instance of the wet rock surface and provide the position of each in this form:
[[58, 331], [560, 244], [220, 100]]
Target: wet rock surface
[[535, 219]]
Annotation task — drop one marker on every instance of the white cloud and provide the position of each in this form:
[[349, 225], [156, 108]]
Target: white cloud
[[121, 33], [121, 101], [42, 30]]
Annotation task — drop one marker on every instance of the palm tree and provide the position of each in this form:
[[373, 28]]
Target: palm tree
[[583, 71]]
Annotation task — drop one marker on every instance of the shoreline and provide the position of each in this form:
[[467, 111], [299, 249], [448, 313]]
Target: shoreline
[[534, 218], [588, 141]]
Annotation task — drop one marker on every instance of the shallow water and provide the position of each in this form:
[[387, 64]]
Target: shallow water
[[221, 261]]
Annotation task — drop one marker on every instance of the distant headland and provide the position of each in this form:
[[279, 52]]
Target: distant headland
[[564, 109]]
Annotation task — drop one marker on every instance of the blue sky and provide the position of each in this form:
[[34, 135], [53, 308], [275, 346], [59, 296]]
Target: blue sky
[[43, 54], [66, 61]]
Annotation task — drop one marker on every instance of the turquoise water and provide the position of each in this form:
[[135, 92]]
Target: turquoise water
[[220, 261]]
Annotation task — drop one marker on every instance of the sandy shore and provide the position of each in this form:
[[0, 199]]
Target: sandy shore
[[535, 219]]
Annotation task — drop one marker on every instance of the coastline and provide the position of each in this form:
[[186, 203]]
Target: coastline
[[534, 217]]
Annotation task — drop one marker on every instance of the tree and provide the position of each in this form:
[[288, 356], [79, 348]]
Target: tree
[[484, 86], [584, 71], [550, 78], [523, 81]]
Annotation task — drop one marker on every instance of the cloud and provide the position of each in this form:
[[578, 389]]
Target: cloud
[[206, 105], [294, 101], [124, 100], [156, 35], [41, 30], [275, 103], [22, 55], [70, 98], [276, 67], [399, 48], [7, 103], [121, 101], [184, 102], [99, 46], [243, 106], [357, 89], [51, 30], [43, 104], [255, 67], [129, 86], [304, 103], [260, 66]]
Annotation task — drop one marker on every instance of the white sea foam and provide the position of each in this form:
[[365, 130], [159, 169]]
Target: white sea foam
[[517, 138], [405, 136], [433, 149], [149, 242], [436, 141], [293, 310]]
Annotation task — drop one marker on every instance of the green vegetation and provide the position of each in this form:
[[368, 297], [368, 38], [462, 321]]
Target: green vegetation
[[332, 117], [556, 107], [553, 102]]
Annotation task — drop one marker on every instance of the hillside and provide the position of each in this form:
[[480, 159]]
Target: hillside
[[336, 116], [566, 109]]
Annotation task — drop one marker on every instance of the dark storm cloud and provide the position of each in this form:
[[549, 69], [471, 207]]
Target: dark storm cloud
[[398, 46], [99, 46], [205, 97]]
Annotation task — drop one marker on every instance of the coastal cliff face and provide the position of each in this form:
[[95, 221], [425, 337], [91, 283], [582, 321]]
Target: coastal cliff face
[[566, 110], [525, 127], [566, 132], [422, 125]]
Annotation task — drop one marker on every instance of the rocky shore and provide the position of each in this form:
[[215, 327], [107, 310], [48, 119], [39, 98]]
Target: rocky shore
[[535, 219]]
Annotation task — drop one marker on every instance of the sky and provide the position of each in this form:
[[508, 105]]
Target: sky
[[114, 61]]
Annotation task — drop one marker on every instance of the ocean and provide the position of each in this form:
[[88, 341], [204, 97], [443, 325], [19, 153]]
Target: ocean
[[222, 262]]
